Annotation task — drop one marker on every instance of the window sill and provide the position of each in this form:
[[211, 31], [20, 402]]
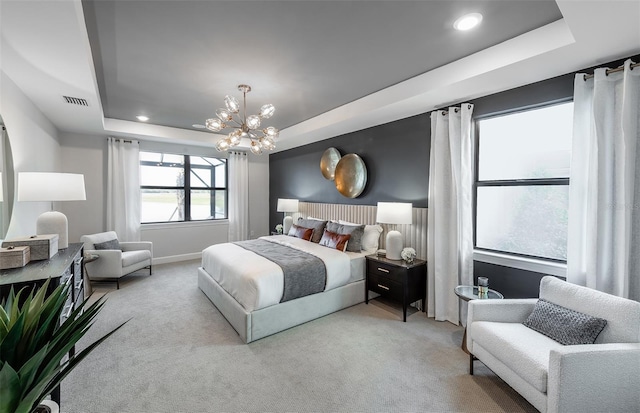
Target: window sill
[[184, 224], [527, 264]]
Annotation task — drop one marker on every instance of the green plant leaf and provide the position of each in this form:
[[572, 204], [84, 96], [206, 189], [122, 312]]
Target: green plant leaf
[[79, 320], [52, 307], [9, 344], [14, 306], [30, 369], [4, 324], [9, 388]]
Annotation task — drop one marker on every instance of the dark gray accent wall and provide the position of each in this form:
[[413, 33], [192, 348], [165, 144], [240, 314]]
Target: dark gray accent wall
[[511, 282], [396, 155], [397, 158]]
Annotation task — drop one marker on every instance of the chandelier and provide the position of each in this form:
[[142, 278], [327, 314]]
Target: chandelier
[[243, 126]]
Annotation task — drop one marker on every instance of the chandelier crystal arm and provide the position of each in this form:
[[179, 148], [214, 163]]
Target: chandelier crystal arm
[[239, 123]]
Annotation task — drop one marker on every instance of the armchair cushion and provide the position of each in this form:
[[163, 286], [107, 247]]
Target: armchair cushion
[[108, 245], [564, 325], [134, 257], [524, 350]]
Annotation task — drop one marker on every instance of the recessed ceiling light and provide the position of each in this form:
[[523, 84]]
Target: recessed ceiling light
[[198, 126], [142, 118], [468, 21]]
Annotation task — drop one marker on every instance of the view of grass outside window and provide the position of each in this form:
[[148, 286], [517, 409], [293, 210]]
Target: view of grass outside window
[[182, 187], [522, 182]]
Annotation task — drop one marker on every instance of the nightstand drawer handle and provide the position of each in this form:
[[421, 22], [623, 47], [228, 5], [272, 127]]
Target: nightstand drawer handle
[[382, 286], [383, 270]]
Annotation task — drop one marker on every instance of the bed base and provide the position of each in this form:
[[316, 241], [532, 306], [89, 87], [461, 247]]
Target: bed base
[[252, 326]]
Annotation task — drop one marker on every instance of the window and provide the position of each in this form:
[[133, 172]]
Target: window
[[182, 187], [522, 182]]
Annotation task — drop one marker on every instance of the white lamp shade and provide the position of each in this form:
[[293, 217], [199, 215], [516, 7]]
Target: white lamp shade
[[50, 186], [394, 213], [287, 205]]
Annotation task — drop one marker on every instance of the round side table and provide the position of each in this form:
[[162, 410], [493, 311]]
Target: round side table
[[468, 293]]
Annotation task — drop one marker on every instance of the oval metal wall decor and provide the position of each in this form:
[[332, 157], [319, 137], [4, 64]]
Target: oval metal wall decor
[[328, 163], [351, 175]]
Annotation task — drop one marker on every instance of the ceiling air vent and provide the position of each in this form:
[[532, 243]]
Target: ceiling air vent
[[76, 101]]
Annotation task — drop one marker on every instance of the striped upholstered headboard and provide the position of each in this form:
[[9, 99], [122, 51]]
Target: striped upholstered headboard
[[415, 235]]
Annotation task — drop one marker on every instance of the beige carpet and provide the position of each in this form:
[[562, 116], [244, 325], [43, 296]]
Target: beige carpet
[[179, 354]]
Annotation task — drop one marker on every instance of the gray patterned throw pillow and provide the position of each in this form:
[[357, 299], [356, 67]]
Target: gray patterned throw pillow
[[113, 244], [564, 325], [356, 232], [316, 225]]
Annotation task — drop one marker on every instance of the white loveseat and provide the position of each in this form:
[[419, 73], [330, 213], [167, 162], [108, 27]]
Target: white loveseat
[[599, 377]]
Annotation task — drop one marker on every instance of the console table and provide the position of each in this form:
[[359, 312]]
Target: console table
[[63, 268]]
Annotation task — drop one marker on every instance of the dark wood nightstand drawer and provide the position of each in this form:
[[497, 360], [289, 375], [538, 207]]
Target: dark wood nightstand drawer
[[385, 286], [384, 270]]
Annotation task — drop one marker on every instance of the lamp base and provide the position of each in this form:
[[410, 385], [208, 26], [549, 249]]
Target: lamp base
[[286, 224], [394, 245], [54, 222]]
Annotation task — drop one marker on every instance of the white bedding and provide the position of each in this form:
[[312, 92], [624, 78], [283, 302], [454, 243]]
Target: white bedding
[[256, 282]]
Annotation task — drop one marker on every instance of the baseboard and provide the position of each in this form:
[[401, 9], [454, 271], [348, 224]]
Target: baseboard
[[177, 258]]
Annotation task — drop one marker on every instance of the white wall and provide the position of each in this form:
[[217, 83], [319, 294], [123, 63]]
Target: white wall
[[171, 241], [35, 148], [86, 155]]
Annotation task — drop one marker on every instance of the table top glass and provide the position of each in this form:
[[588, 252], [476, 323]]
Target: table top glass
[[470, 292]]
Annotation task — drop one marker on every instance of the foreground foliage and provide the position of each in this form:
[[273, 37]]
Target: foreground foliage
[[33, 344]]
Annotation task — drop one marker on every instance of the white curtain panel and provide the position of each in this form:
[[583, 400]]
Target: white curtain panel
[[123, 189], [238, 196], [603, 250], [449, 228]]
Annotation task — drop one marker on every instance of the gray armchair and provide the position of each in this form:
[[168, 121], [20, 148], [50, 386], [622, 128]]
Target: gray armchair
[[115, 259]]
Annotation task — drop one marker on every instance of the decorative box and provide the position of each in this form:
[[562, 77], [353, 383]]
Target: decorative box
[[42, 247], [14, 257]]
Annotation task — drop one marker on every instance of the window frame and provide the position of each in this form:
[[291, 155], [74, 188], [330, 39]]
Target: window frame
[[509, 182], [187, 188]]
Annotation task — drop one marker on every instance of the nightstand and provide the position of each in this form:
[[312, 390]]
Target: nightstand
[[397, 280]]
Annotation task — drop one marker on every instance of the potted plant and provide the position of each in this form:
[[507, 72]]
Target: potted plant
[[33, 345]]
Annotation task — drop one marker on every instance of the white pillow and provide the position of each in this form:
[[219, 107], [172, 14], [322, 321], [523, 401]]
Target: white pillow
[[371, 237]]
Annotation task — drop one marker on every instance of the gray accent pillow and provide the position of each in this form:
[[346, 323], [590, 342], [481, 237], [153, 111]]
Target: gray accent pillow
[[564, 325], [317, 226], [356, 232], [113, 244]]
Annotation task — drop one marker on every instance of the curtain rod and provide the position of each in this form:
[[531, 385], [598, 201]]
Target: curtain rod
[[121, 140], [609, 71], [456, 110]]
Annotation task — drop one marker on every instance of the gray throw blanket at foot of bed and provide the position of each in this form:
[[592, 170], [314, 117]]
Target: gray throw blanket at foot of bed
[[304, 273]]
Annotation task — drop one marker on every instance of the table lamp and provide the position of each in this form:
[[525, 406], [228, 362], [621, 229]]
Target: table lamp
[[287, 205], [394, 213], [50, 187]]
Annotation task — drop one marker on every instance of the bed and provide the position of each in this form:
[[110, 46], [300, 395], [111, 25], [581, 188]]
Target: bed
[[248, 288]]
